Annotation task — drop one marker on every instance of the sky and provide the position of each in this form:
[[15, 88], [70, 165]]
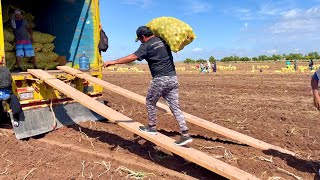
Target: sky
[[222, 27]]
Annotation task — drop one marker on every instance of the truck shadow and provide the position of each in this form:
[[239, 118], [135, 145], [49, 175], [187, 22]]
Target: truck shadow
[[149, 151]]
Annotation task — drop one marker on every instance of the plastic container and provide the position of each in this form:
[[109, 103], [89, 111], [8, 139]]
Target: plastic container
[[84, 62]]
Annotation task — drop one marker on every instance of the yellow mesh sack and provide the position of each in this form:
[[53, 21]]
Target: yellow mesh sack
[[175, 32], [47, 47], [10, 58], [8, 35], [42, 57], [42, 38], [37, 47], [8, 46]]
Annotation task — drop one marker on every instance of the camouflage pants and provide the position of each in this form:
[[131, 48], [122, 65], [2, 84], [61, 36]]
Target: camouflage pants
[[168, 88]]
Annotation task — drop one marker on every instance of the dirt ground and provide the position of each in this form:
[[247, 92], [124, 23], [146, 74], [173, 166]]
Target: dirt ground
[[273, 107]]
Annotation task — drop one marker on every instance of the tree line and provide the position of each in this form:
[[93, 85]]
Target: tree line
[[274, 57]]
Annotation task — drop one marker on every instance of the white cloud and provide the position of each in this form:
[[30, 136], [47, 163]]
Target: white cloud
[[196, 6], [271, 51], [298, 21], [140, 3], [291, 13], [241, 13], [264, 10], [197, 50]]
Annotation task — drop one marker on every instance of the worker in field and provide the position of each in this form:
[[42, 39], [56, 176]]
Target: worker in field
[[208, 66], [23, 38], [214, 66], [7, 95], [288, 64], [164, 80], [311, 64], [202, 67]]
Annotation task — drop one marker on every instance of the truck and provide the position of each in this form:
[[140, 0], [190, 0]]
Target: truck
[[75, 24]]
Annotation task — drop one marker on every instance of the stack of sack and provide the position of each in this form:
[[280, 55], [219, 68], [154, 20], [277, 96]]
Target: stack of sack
[[175, 32], [43, 45]]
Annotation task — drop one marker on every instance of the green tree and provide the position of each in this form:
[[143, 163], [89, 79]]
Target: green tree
[[189, 61], [245, 59], [212, 59], [276, 57], [201, 61], [263, 58], [313, 55], [255, 59]]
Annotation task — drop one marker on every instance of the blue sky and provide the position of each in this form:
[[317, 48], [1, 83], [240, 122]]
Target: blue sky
[[223, 27]]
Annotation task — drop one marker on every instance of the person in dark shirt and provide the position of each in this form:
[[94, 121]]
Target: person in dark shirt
[[164, 80], [7, 95], [23, 37], [311, 64]]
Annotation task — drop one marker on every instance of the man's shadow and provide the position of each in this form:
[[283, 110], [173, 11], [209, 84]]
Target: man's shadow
[[148, 150], [301, 165]]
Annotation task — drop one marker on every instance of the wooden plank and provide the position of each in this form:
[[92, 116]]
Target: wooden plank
[[189, 118], [161, 140]]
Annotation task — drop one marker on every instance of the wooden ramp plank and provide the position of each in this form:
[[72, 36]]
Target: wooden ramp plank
[[161, 140], [189, 118]]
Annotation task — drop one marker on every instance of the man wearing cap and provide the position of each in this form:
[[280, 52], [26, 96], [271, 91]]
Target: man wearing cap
[[164, 80], [23, 37]]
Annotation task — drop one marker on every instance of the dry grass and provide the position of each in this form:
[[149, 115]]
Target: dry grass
[[261, 158], [289, 173], [132, 174]]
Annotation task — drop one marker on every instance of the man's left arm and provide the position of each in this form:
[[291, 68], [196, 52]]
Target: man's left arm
[[123, 60]]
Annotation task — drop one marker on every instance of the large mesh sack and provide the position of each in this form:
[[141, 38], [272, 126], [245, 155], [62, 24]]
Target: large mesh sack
[[8, 35], [42, 38], [47, 66], [24, 66], [175, 32], [47, 47], [10, 58], [8, 46], [29, 17], [10, 55], [37, 47], [42, 57]]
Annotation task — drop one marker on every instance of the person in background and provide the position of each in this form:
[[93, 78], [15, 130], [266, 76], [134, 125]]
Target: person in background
[[6, 94], [23, 38], [295, 65], [214, 66], [208, 66], [288, 63], [164, 80], [201, 67], [311, 64]]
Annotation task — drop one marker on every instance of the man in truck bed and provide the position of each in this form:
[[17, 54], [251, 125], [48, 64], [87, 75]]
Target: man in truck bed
[[23, 37]]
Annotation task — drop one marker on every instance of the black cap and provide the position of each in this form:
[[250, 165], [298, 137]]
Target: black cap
[[143, 30]]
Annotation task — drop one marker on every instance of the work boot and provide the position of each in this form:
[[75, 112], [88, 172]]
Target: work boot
[[184, 139], [149, 130]]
